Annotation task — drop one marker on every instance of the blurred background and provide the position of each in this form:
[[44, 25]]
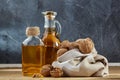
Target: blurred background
[[97, 19]]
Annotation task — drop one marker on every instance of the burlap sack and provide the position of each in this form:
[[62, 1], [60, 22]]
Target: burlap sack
[[74, 63]]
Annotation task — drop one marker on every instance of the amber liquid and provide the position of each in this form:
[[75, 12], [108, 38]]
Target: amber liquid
[[50, 54], [51, 45], [32, 59]]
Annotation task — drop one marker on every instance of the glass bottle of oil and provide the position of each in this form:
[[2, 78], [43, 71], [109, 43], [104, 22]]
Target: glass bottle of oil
[[32, 52], [51, 36]]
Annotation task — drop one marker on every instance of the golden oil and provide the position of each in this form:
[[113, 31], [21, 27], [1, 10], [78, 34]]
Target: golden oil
[[33, 53], [51, 36], [33, 57], [51, 45]]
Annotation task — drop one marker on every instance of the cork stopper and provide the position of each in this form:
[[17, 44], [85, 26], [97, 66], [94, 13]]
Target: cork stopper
[[33, 31], [50, 14]]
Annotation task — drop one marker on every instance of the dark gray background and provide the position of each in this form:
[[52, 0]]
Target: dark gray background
[[97, 19]]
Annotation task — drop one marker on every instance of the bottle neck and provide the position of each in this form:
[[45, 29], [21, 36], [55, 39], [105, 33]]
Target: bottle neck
[[49, 23], [50, 31], [31, 36]]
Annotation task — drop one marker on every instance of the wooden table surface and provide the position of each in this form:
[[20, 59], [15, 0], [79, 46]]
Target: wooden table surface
[[16, 74]]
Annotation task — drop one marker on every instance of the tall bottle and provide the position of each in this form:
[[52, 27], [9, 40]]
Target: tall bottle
[[51, 36], [32, 52]]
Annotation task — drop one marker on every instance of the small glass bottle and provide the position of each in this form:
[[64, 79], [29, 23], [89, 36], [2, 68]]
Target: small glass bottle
[[32, 52]]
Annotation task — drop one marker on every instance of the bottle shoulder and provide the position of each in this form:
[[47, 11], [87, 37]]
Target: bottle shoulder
[[33, 41], [51, 40]]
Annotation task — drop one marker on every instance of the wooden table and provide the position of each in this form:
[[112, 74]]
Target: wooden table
[[16, 74]]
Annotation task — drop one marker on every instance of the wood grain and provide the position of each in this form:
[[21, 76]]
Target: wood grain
[[16, 74]]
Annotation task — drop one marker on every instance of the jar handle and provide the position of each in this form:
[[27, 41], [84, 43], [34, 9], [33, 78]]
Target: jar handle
[[58, 27]]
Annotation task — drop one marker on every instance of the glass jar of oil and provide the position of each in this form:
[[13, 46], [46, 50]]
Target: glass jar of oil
[[33, 56], [51, 36]]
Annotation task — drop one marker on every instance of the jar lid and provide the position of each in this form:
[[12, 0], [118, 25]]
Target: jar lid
[[33, 31]]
